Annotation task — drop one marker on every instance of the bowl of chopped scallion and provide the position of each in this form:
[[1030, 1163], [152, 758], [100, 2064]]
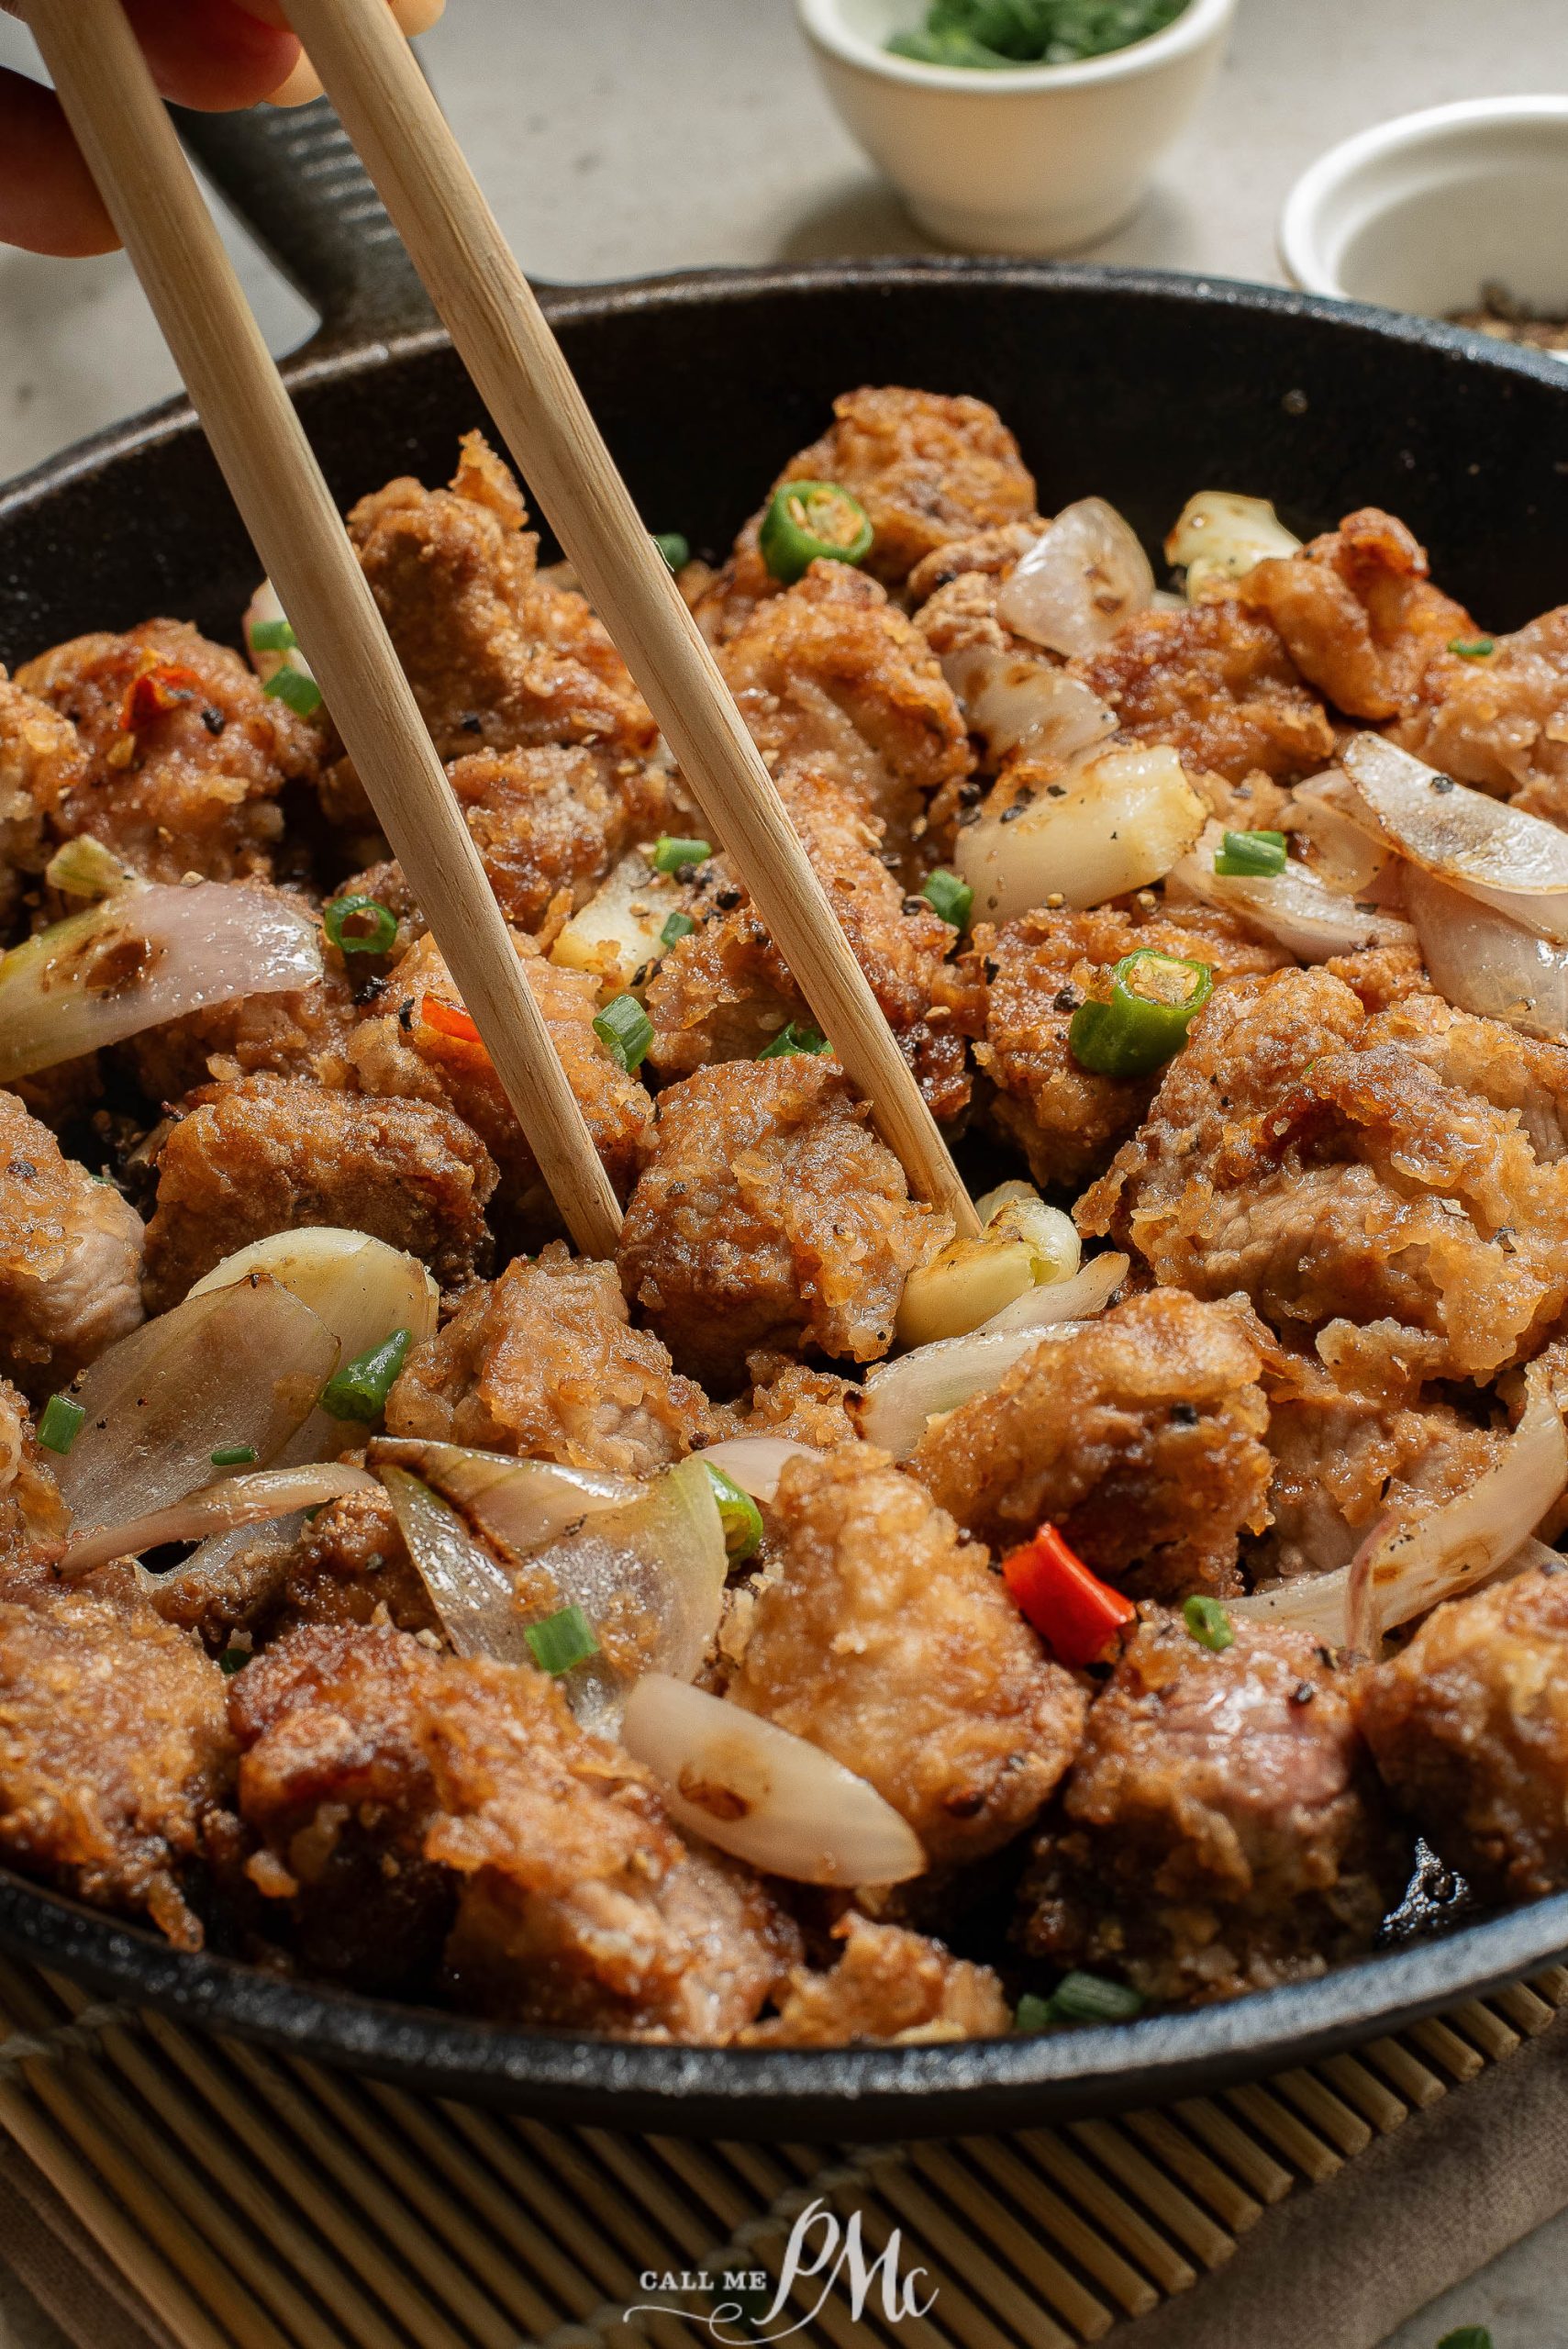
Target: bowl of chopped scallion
[[1017, 126]]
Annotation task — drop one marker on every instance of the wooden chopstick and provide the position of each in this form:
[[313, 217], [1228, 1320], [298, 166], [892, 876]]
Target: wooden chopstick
[[153, 198], [404, 141]]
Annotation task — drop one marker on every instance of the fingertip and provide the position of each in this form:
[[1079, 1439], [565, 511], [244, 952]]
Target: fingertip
[[47, 201]]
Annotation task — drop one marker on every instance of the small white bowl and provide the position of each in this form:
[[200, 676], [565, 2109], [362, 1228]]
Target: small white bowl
[[1419, 213], [1035, 158]]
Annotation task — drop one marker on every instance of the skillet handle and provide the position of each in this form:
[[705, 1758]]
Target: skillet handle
[[298, 187]]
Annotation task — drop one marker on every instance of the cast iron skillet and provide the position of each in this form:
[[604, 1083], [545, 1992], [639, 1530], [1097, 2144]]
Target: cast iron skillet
[[1140, 386]]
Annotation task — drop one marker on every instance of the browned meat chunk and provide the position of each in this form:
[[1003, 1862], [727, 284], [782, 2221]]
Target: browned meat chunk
[[888, 1984], [1138, 1435], [1396, 1184], [791, 1399], [1382, 975], [350, 1564], [1469, 1726], [1358, 612], [1500, 719], [1223, 1832], [34, 1521], [883, 1637], [1216, 683], [769, 1214], [498, 656], [266, 1155], [69, 1258], [113, 1751], [1041, 967], [545, 1364], [40, 762], [399, 1053], [184, 756], [302, 1034]]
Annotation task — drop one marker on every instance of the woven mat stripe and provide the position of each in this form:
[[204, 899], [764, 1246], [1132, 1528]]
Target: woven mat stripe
[[261, 2202]]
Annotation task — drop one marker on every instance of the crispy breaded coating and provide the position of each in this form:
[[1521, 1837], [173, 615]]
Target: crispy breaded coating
[[1041, 967], [1499, 719], [1381, 976], [500, 657], [1216, 684], [793, 1400], [40, 761], [1358, 612], [1468, 1725], [544, 1362], [768, 1214], [882, 1636], [396, 1052], [1138, 1435], [350, 1564], [888, 1984], [1396, 1186], [578, 1907], [113, 1750], [182, 755], [1223, 1830], [988, 555], [301, 1033], [269, 1155], [69, 1258], [34, 1521], [724, 992]]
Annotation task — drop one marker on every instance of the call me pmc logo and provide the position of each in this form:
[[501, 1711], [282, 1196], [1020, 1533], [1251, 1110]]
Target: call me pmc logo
[[820, 2252]]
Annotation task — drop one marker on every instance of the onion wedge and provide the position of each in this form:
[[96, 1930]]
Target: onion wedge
[[1084, 575], [467, 1586], [144, 957], [1294, 907], [519, 1503], [217, 1509], [763, 1794], [756, 1463], [1481, 962], [1219, 536], [1510, 860], [1022, 705], [1118, 820]]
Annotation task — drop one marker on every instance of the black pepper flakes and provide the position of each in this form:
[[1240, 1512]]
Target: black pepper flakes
[[1303, 1693], [1444, 783], [470, 722], [1184, 1415], [405, 1014], [727, 899], [1066, 1000], [214, 719]]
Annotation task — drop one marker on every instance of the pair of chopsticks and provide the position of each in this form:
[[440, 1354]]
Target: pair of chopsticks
[[521, 373]]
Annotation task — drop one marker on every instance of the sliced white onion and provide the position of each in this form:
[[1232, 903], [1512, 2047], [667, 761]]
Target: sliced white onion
[[900, 1396], [1343, 852], [361, 1288], [521, 1503], [85, 868], [763, 1794], [620, 931], [469, 1589], [1022, 1244], [1084, 575], [1219, 536], [1517, 862], [215, 1508], [144, 957], [1021, 705], [1111, 821], [756, 1463], [1294, 907], [240, 1366], [1481, 962]]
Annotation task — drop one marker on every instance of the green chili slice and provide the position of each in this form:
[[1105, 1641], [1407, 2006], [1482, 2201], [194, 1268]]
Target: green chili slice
[[1468, 2336], [234, 1455], [561, 1640], [809, 519], [668, 855], [625, 1031], [1208, 1623], [234, 1660], [947, 895], [360, 925], [1033, 2012], [741, 1516], [679, 925], [1153, 1000], [59, 1423], [302, 694], [272, 636], [1252, 854], [1089, 1997], [360, 1388], [793, 1039], [674, 548], [1472, 648]]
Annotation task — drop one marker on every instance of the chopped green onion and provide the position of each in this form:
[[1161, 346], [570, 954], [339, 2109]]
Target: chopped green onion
[[561, 1640], [625, 1031], [1089, 1997], [360, 1388], [234, 1660], [1153, 1000], [808, 519], [234, 1455], [669, 855], [1208, 1623], [1033, 2013], [59, 1423], [947, 895], [793, 1039], [742, 1518], [1472, 648], [675, 549], [1468, 2336], [378, 925], [1252, 853], [302, 694], [272, 636], [678, 926]]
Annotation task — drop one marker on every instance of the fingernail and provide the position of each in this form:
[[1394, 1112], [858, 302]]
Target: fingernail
[[415, 16], [303, 85]]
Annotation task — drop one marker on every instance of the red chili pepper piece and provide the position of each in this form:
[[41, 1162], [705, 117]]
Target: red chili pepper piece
[[448, 1020], [1071, 1608], [155, 691]]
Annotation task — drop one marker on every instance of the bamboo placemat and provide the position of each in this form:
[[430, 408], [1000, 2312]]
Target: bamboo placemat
[[258, 2201]]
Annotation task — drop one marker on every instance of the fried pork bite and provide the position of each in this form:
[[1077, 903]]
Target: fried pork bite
[[792, 1400], [301, 1033], [1221, 1828], [1039, 968], [888, 1984], [1469, 1726], [1396, 1188], [1138, 1434], [267, 1154], [830, 670], [34, 1521], [544, 1362], [399, 1053], [40, 762], [500, 657], [1358, 612], [1216, 683], [113, 1750], [724, 992], [974, 567], [882, 1636], [1498, 717], [768, 1214], [71, 1255], [184, 756], [385, 1777]]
